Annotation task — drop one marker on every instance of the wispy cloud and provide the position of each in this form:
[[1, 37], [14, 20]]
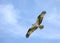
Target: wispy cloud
[[9, 21]]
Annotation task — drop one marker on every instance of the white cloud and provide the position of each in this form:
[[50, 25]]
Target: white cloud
[[9, 21], [54, 17], [8, 13]]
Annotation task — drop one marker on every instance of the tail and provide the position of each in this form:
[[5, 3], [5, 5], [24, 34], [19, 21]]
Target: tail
[[41, 26]]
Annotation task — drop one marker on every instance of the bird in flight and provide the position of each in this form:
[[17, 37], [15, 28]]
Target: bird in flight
[[37, 24]]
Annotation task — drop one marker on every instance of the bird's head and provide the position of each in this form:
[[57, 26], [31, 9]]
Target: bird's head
[[41, 26]]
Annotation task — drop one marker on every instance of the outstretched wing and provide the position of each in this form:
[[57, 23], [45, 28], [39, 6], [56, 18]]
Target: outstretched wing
[[32, 29], [40, 17]]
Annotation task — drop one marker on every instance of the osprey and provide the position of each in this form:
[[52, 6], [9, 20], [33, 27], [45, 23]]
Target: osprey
[[37, 24]]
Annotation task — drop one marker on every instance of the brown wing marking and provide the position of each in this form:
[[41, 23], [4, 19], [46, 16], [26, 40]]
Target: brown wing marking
[[31, 30], [40, 17]]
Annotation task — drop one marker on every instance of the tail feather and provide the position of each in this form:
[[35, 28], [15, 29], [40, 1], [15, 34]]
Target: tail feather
[[41, 26]]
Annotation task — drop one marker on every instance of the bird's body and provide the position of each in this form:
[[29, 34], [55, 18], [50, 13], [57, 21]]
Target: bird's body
[[37, 24]]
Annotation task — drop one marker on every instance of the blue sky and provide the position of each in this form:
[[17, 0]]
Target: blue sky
[[17, 16]]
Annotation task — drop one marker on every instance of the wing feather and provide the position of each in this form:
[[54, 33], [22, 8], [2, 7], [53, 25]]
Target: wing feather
[[40, 17], [32, 29]]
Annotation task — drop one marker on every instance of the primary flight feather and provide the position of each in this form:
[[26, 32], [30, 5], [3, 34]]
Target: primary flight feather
[[37, 24]]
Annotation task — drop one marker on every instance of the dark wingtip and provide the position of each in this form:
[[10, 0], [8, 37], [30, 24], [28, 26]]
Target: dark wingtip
[[44, 12], [27, 35]]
